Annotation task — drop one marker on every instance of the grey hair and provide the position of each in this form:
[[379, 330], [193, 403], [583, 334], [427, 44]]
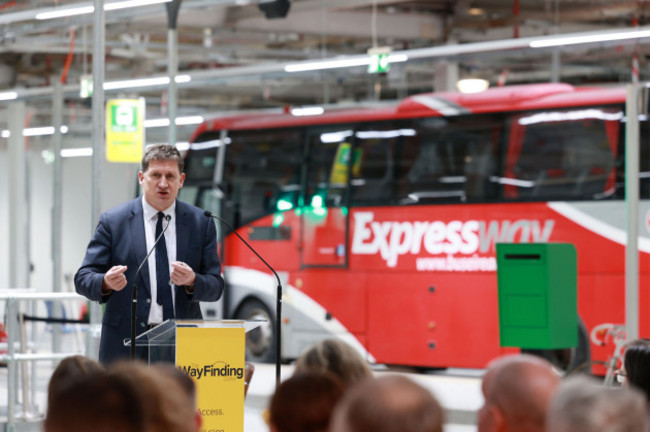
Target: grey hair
[[582, 404]]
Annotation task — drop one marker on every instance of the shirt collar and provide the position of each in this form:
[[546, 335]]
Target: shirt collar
[[151, 213]]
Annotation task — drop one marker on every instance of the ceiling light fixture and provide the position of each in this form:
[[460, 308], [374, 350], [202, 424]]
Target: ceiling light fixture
[[144, 82], [88, 9], [307, 111], [590, 38], [67, 12], [472, 85], [180, 121], [8, 96], [340, 63], [132, 3]]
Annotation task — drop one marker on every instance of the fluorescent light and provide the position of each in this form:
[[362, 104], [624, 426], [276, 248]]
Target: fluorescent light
[[397, 58], [182, 79], [472, 85], [602, 37], [38, 131], [8, 95], [180, 121], [144, 82], [340, 63], [132, 3], [327, 64], [6, 133], [60, 12], [189, 120], [85, 10], [141, 82], [307, 111], [77, 152], [152, 123]]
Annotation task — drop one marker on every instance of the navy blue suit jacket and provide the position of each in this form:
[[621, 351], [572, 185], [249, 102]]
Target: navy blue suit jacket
[[120, 240]]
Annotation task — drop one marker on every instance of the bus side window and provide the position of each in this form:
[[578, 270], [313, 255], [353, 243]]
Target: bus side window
[[455, 161], [261, 173], [562, 155]]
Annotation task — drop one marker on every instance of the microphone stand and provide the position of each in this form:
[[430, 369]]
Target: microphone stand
[[134, 289], [278, 300]]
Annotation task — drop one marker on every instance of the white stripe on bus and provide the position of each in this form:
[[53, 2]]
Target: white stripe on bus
[[597, 226]]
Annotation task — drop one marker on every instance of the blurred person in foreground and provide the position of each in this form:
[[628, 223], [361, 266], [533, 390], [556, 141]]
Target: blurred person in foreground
[[69, 371], [183, 270], [164, 397], [97, 403], [635, 370], [188, 386], [335, 357], [391, 403], [581, 404], [304, 403], [517, 391]]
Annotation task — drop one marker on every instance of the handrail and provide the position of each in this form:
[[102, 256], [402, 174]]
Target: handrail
[[13, 298]]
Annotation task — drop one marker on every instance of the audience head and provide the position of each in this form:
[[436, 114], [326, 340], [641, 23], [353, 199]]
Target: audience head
[[581, 404], [636, 365], [70, 370], [388, 404], [517, 390], [98, 403], [188, 386], [304, 403], [166, 406], [336, 357]]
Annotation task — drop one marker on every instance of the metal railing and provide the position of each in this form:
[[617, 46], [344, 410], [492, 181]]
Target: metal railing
[[17, 351]]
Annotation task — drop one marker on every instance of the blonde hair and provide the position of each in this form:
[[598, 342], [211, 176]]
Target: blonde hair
[[335, 357]]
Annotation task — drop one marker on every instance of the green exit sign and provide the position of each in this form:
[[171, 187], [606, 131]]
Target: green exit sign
[[379, 63]]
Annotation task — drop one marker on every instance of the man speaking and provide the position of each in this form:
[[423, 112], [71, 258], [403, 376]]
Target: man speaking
[[183, 270]]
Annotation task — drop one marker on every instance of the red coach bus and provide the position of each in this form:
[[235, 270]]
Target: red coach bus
[[382, 221]]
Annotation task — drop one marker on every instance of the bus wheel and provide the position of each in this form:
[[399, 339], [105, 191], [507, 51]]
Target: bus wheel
[[569, 360], [260, 342]]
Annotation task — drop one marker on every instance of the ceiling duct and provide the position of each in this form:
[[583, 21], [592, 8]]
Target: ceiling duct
[[274, 8]]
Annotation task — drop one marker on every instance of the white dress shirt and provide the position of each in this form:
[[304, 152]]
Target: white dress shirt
[[150, 216]]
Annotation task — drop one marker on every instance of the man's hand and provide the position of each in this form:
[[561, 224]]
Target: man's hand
[[114, 279], [182, 274]]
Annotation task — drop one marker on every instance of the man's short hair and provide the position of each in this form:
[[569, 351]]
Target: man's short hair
[[162, 152], [387, 404], [582, 404]]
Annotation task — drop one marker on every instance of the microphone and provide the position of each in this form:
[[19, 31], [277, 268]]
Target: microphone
[[134, 289], [278, 299]]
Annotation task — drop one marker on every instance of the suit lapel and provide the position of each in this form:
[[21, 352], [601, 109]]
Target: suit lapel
[[139, 242]]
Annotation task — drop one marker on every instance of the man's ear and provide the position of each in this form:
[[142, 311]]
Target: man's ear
[[498, 419]]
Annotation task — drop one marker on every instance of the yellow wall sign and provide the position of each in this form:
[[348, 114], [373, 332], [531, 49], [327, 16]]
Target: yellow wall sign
[[215, 359], [124, 130]]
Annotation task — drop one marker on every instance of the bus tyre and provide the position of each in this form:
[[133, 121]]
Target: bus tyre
[[260, 342], [569, 360]]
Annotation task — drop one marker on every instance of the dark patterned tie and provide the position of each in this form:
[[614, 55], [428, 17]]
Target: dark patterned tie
[[162, 273]]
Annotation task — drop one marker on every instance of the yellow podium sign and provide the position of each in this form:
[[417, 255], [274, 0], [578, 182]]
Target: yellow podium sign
[[215, 359], [124, 130]]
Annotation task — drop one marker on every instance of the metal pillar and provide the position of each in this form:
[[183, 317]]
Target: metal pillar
[[19, 260], [172, 67], [94, 310], [57, 207], [632, 211]]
